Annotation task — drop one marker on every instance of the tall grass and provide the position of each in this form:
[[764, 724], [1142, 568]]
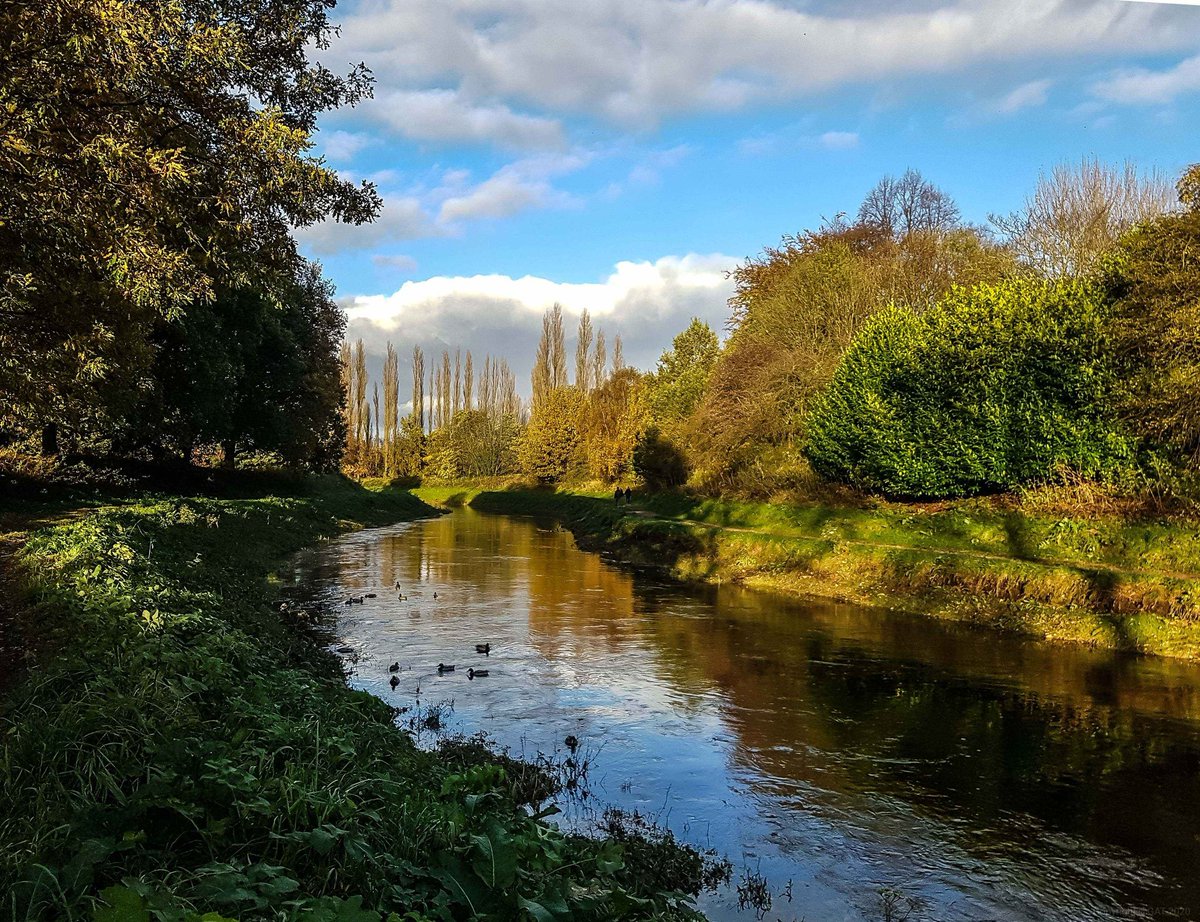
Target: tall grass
[[183, 750]]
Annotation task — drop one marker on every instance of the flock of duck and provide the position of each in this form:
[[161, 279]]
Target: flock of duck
[[442, 668]]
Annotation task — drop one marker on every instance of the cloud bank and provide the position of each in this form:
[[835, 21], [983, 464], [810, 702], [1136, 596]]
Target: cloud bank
[[647, 303], [637, 62]]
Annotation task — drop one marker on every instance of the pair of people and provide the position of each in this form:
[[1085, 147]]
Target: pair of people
[[619, 494]]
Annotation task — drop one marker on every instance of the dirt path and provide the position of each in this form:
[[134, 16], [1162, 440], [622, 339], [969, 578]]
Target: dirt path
[[1083, 566]]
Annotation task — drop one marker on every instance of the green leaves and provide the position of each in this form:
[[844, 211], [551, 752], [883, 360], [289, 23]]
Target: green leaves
[[995, 387]]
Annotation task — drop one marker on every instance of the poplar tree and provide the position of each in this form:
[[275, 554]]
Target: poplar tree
[[583, 356], [599, 361]]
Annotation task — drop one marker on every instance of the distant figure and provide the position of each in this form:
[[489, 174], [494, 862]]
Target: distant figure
[[617, 494], [628, 495]]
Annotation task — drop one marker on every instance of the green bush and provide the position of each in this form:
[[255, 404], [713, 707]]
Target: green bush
[[995, 387]]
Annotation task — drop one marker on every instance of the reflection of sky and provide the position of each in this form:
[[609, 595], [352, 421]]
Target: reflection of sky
[[795, 739]]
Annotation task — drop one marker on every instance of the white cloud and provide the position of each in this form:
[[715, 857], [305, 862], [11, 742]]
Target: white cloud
[[513, 188], [402, 218], [839, 140], [422, 211], [1023, 97], [394, 261], [341, 146], [647, 303], [639, 61], [445, 116], [1151, 87]]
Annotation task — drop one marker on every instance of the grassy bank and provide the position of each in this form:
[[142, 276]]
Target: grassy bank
[[1109, 581], [182, 748]]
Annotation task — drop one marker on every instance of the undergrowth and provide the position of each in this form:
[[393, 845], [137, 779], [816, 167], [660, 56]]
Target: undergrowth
[[183, 749]]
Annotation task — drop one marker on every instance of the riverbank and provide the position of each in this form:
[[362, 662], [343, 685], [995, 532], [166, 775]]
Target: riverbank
[[183, 747], [1109, 582]]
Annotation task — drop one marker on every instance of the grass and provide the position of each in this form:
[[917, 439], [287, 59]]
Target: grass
[[1111, 581], [181, 748]]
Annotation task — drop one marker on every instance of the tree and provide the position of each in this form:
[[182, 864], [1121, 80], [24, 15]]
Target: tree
[[795, 310], [1078, 212], [583, 353], [682, 374], [549, 446], [995, 387], [418, 386], [154, 156], [1188, 187], [249, 374], [908, 205], [391, 407], [616, 416], [599, 361], [1156, 287]]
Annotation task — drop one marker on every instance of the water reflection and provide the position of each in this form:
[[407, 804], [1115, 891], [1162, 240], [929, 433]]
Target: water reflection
[[839, 748]]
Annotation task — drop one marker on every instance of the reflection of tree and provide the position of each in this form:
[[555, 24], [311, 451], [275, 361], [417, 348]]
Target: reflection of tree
[[974, 731], [997, 741]]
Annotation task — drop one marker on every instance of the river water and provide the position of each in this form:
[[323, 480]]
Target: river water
[[832, 749]]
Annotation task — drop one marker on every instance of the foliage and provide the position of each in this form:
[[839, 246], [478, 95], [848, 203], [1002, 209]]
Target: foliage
[[659, 461], [1078, 212], [1156, 286], [153, 154], [199, 754], [796, 308], [682, 374], [995, 387], [245, 373], [549, 446], [615, 417]]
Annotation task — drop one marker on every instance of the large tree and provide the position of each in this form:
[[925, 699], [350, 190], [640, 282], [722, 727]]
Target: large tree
[[245, 372], [153, 155], [1155, 280]]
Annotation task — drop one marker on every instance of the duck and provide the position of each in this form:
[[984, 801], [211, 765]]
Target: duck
[[572, 743], [395, 667], [476, 673], [394, 682], [369, 595], [484, 648], [435, 595], [397, 586], [442, 667]]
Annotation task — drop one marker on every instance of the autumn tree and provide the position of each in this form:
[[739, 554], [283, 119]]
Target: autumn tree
[[154, 156], [583, 353], [549, 447], [682, 374], [907, 205], [1078, 212], [1156, 287], [616, 416]]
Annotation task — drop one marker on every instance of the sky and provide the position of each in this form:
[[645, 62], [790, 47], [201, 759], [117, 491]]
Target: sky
[[624, 155]]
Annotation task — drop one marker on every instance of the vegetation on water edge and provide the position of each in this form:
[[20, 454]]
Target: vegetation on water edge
[[1112, 581], [182, 748]]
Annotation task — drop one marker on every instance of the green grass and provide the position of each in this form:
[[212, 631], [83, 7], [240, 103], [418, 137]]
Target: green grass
[[182, 749], [1108, 581]]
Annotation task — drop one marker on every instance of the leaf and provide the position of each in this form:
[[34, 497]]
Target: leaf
[[537, 910], [123, 906]]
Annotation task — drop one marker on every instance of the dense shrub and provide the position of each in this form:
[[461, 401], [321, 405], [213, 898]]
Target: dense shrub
[[995, 387]]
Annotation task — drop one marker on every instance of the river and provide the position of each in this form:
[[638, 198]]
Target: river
[[834, 750]]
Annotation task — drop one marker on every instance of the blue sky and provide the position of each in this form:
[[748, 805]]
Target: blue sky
[[622, 154]]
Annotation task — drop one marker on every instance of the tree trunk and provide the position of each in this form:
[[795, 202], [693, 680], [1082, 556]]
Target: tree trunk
[[50, 439], [229, 446]]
